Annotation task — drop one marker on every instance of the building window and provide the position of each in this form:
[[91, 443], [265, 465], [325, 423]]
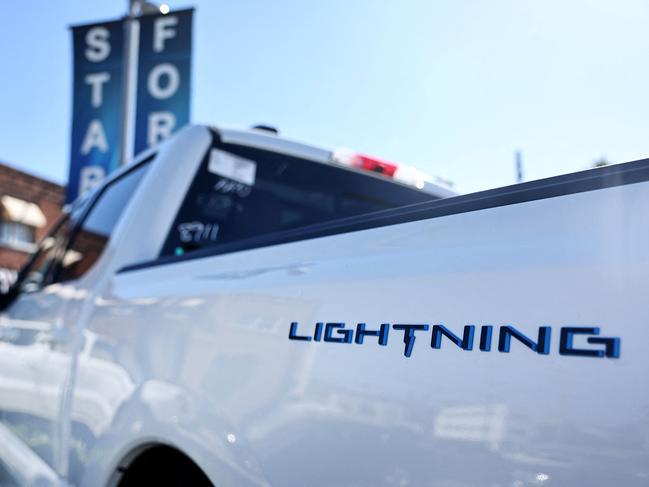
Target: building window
[[16, 234], [18, 223]]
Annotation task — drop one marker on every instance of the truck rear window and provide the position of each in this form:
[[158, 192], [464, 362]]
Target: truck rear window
[[241, 192]]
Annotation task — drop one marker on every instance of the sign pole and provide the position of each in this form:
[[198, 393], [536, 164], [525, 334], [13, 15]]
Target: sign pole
[[131, 40]]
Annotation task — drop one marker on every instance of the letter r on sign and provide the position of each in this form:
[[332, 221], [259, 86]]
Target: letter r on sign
[[161, 125]]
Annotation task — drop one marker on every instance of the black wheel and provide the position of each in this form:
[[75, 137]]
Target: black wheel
[[166, 467]]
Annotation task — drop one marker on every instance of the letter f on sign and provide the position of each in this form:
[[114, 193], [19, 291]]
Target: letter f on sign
[[163, 30]]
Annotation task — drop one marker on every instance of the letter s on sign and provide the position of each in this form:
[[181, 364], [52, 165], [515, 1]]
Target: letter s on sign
[[98, 46]]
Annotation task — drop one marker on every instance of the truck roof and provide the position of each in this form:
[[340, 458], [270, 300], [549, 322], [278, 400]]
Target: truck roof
[[344, 158], [263, 139]]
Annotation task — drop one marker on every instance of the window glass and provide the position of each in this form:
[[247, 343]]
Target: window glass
[[13, 233], [92, 236], [241, 192], [38, 272]]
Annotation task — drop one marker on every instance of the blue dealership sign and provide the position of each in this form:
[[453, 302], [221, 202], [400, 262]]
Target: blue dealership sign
[[97, 96], [111, 91], [164, 70]]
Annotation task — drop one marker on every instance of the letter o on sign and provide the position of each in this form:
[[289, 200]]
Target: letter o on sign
[[155, 76]]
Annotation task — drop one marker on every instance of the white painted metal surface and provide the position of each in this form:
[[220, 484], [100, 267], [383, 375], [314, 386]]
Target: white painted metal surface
[[196, 354]]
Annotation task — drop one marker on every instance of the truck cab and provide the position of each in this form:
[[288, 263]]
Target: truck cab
[[206, 190], [236, 309]]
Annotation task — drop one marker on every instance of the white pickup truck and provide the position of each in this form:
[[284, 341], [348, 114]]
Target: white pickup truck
[[235, 309]]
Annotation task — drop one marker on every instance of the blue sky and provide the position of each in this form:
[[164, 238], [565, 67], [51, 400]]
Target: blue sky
[[452, 87]]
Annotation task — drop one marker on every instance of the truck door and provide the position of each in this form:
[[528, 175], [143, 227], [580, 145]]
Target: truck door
[[42, 331], [30, 330]]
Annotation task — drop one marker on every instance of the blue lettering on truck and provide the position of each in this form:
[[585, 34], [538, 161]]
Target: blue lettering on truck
[[338, 332]]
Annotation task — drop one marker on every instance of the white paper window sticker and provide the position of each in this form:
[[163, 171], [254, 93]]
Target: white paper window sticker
[[232, 167]]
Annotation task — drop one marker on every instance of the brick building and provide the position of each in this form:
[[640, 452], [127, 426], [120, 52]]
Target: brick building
[[29, 206]]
